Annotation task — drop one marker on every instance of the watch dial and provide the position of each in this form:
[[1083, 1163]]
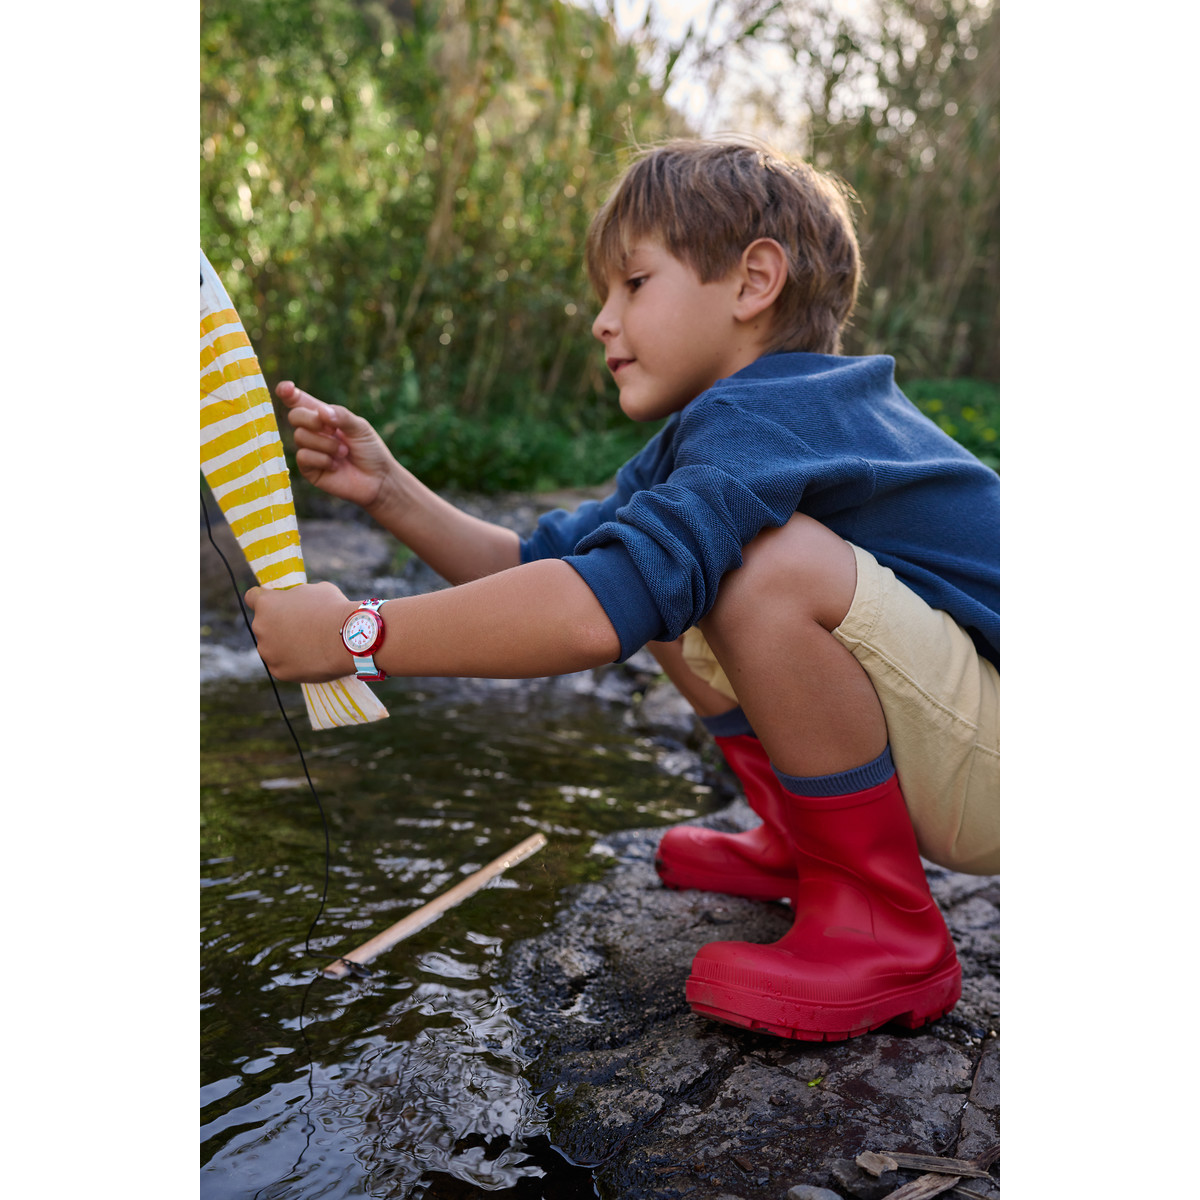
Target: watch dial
[[361, 631]]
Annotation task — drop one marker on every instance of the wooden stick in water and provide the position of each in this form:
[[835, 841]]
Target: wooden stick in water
[[430, 912]]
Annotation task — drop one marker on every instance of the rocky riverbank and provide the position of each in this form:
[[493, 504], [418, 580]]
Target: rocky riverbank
[[660, 1102]]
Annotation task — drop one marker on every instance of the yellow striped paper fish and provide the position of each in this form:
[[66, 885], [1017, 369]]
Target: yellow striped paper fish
[[241, 456]]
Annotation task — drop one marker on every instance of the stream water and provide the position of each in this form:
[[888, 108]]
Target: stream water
[[409, 1083]]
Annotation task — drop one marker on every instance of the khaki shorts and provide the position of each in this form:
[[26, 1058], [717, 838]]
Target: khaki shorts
[[941, 701]]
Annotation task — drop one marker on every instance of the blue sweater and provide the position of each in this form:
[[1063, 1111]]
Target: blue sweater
[[830, 436]]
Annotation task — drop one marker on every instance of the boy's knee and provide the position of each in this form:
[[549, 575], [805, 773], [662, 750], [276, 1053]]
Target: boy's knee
[[801, 570]]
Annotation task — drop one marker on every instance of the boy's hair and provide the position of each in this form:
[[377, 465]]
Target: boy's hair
[[707, 200]]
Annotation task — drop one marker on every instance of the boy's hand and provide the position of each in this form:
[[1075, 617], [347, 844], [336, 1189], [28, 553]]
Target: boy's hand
[[335, 449], [298, 631]]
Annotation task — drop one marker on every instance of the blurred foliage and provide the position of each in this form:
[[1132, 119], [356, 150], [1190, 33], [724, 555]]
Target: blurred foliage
[[396, 196], [967, 409], [396, 193], [922, 151], [901, 99]]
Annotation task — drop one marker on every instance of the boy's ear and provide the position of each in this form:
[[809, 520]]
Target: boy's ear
[[763, 271]]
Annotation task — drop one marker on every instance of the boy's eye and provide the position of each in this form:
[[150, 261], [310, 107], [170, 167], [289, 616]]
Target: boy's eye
[[635, 282]]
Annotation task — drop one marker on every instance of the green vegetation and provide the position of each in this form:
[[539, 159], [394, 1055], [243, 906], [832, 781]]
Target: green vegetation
[[967, 409], [396, 193], [513, 452]]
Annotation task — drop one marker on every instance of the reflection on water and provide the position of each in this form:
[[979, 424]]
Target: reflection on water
[[410, 1083], [435, 1089]]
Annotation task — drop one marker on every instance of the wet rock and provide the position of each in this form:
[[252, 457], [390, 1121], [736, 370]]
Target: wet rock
[[804, 1191], [663, 709], [980, 1127], [334, 549], [739, 1113], [852, 1180], [218, 661]]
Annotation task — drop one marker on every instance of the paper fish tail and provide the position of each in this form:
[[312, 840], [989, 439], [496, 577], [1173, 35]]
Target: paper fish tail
[[343, 702], [241, 455]]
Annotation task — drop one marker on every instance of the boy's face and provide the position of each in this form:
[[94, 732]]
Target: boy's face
[[667, 336]]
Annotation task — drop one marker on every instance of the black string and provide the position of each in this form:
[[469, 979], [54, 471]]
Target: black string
[[309, 1125], [356, 969]]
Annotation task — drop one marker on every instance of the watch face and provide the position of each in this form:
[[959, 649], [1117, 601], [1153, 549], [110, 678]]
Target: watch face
[[361, 631]]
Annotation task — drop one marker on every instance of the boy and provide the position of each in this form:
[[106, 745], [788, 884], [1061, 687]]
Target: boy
[[812, 562]]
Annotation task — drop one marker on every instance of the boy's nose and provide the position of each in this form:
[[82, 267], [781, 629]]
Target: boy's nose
[[604, 325]]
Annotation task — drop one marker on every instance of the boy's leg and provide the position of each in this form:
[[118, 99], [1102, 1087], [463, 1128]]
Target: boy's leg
[[868, 944], [756, 864], [808, 699], [701, 695]]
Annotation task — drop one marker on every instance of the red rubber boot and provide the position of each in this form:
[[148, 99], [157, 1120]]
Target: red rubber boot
[[868, 944], [757, 863]]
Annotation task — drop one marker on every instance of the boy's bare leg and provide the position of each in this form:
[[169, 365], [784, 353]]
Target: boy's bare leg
[[868, 944], [806, 696], [705, 699]]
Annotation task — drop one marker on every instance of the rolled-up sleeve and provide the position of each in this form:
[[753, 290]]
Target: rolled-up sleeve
[[656, 568], [559, 532], [656, 551]]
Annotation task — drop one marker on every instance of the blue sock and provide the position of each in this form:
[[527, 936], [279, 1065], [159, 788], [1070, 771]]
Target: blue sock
[[728, 724], [843, 783]]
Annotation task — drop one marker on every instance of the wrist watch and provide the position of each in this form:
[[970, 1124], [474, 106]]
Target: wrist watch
[[362, 635]]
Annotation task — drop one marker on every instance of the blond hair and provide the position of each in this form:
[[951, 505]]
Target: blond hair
[[707, 200]]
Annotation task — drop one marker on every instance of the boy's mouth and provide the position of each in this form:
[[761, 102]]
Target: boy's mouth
[[615, 364]]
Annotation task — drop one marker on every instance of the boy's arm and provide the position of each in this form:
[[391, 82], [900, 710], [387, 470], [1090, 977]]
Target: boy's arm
[[458, 546], [342, 454], [533, 620]]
